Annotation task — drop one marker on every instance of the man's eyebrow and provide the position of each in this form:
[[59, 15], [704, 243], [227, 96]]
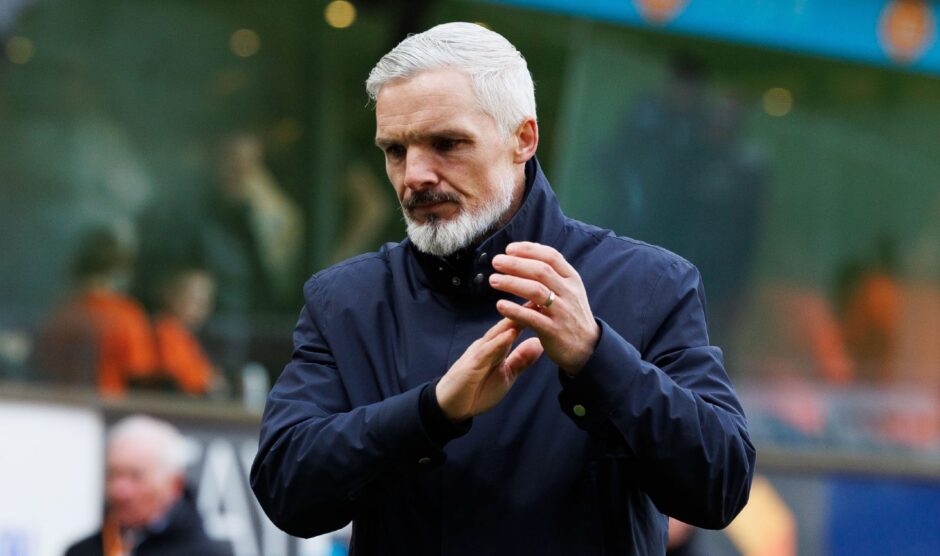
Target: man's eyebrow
[[449, 133], [423, 137]]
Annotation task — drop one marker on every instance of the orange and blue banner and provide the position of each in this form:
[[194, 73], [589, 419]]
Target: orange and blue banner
[[899, 33]]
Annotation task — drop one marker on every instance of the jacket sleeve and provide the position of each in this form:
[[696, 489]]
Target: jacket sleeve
[[321, 462], [671, 411]]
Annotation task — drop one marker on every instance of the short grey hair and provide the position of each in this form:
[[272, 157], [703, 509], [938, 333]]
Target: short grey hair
[[167, 441], [501, 79]]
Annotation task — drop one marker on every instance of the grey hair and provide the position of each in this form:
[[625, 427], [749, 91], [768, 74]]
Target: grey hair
[[167, 441], [501, 79]]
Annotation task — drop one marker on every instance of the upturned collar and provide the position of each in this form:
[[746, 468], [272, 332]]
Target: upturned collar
[[466, 273]]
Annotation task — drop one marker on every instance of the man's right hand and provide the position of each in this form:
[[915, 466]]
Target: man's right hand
[[485, 372]]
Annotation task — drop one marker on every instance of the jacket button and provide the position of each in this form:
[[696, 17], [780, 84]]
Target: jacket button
[[455, 281], [479, 279], [424, 461], [482, 258], [579, 410]]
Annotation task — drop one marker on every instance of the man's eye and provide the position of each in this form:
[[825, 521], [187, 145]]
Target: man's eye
[[444, 145], [394, 151]]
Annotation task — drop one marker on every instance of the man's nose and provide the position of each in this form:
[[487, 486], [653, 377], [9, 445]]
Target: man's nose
[[118, 491], [420, 172]]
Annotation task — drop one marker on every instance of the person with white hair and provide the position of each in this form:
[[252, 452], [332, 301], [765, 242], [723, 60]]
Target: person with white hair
[[506, 380], [148, 510]]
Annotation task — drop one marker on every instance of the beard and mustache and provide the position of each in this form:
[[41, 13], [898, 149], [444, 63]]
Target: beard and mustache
[[440, 237]]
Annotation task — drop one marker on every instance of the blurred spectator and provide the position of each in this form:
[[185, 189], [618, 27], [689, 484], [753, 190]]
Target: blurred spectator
[[792, 343], [681, 540], [186, 300], [149, 510], [919, 336], [253, 240], [248, 234], [369, 212], [891, 321], [244, 229], [858, 372], [99, 335], [766, 526], [684, 178], [15, 347], [794, 333], [869, 298]]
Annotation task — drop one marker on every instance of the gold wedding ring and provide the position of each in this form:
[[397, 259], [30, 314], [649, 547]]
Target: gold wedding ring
[[550, 300]]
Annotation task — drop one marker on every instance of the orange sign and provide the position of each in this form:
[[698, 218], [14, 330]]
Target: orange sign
[[660, 12], [906, 29]]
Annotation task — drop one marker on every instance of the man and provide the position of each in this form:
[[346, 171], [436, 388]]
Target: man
[[148, 510], [405, 408]]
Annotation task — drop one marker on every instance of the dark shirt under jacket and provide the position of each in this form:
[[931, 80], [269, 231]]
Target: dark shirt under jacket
[[179, 534], [584, 465]]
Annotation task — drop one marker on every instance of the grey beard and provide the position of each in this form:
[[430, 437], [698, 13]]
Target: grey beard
[[441, 237]]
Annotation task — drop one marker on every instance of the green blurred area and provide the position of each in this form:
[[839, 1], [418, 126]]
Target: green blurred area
[[120, 113]]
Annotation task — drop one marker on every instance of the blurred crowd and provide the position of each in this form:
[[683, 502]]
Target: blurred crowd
[[855, 364], [143, 283], [186, 291]]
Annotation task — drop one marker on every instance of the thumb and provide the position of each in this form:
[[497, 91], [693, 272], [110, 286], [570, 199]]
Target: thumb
[[494, 350], [523, 356]]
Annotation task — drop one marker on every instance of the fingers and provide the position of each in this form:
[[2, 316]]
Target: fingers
[[495, 349], [529, 269], [543, 253], [525, 316], [535, 292], [534, 271], [498, 328]]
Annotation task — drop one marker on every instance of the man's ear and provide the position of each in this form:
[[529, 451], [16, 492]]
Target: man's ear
[[526, 140]]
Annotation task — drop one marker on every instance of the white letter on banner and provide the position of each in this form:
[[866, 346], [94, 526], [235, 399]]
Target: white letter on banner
[[222, 499]]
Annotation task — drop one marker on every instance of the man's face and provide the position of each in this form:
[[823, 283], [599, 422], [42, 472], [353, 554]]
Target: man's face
[[453, 172], [191, 298], [138, 489]]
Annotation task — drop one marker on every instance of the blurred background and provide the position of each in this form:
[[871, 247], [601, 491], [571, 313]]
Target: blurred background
[[172, 171]]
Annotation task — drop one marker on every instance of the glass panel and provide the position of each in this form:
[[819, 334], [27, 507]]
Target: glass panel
[[157, 166], [806, 192]]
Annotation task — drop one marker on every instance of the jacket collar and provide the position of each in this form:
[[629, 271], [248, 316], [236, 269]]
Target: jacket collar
[[466, 273]]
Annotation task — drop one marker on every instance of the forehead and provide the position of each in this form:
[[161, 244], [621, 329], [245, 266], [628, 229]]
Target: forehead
[[196, 280], [428, 102], [132, 452]]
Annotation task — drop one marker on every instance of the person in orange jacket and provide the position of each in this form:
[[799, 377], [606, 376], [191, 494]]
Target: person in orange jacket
[[99, 334], [186, 301]]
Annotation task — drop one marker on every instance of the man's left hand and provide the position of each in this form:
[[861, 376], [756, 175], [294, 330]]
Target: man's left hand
[[557, 309]]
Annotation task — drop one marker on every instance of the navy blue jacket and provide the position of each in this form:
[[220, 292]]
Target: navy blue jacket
[[181, 534], [589, 465]]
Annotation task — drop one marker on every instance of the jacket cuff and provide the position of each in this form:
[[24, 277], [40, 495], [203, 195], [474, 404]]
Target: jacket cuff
[[589, 397], [403, 436], [438, 426]]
